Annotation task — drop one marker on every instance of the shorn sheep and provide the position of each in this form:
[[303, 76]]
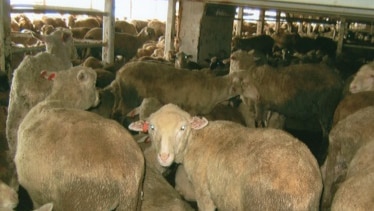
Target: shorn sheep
[[194, 91], [364, 79], [28, 87], [346, 140], [88, 162], [233, 167], [300, 91]]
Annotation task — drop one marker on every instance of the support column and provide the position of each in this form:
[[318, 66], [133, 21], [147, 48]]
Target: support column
[[108, 32]]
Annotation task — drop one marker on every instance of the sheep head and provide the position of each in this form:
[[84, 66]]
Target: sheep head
[[74, 87], [169, 129], [364, 79]]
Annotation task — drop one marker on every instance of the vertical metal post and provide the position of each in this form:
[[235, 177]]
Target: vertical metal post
[[239, 22], [5, 42], [170, 27], [261, 22], [342, 28], [108, 32], [277, 21]]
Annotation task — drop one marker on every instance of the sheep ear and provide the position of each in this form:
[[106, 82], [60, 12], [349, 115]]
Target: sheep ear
[[198, 122], [82, 76], [139, 126]]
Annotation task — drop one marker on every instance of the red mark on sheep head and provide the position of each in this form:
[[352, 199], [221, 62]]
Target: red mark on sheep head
[[50, 77]]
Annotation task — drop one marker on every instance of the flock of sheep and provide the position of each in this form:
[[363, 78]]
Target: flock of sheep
[[70, 146]]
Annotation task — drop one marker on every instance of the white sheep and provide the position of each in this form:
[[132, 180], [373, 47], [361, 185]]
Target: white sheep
[[194, 91], [300, 91], [28, 87], [87, 162], [345, 140], [364, 79], [233, 167]]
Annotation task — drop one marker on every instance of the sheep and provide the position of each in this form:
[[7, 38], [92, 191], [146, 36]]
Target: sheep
[[196, 92], [345, 139], [352, 103], [79, 32], [158, 27], [139, 24], [8, 197], [125, 27], [95, 165], [183, 185], [27, 86], [158, 193], [299, 91], [125, 44], [233, 167], [182, 61], [89, 22], [261, 43], [357, 192], [363, 79]]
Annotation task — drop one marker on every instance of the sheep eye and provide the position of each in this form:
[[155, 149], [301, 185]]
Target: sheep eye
[[152, 127], [183, 127]]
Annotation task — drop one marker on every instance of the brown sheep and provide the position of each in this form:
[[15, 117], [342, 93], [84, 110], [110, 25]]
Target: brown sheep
[[89, 22], [233, 167], [196, 92], [125, 44], [139, 24], [352, 103], [301, 91], [95, 165], [125, 27], [158, 26], [345, 140]]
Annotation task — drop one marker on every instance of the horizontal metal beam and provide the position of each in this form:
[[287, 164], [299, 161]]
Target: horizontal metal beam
[[360, 9], [22, 8]]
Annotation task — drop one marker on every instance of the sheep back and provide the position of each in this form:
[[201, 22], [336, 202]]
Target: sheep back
[[27, 89], [356, 192], [194, 91], [345, 138], [352, 103]]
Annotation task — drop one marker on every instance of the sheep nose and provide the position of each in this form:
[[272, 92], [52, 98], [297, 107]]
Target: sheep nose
[[164, 156]]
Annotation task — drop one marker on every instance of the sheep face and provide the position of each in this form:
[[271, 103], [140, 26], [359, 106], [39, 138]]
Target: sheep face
[[60, 43], [242, 60], [169, 129], [363, 80]]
